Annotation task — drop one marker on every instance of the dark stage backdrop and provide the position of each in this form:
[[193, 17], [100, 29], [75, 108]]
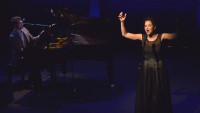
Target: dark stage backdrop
[[164, 11]]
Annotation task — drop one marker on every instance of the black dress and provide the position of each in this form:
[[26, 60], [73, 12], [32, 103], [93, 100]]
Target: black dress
[[153, 93]]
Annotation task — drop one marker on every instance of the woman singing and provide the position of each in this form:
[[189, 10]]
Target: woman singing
[[153, 92]]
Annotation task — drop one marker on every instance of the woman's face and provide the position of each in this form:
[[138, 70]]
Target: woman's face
[[149, 27]]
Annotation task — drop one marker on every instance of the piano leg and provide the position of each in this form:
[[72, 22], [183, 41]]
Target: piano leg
[[53, 73], [110, 64], [63, 67]]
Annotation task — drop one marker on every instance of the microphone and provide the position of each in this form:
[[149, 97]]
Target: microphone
[[154, 51], [36, 24], [23, 20]]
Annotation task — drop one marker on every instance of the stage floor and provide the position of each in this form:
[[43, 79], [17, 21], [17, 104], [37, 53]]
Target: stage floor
[[92, 93]]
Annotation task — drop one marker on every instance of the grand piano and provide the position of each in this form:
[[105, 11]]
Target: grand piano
[[76, 38]]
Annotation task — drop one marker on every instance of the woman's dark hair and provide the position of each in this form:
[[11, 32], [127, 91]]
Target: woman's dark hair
[[150, 19]]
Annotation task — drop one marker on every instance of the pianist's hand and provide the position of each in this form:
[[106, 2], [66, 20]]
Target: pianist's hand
[[122, 17], [41, 32], [37, 37]]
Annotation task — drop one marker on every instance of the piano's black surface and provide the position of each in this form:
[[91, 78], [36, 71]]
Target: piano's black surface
[[95, 41]]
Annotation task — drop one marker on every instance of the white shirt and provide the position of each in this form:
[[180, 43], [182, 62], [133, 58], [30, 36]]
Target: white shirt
[[21, 34]]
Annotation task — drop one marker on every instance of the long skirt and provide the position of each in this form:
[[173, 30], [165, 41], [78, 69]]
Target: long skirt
[[153, 92]]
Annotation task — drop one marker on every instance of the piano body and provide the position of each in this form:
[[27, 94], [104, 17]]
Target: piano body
[[84, 38]]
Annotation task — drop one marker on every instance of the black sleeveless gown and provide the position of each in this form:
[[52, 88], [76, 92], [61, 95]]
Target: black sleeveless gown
[[153, 92]]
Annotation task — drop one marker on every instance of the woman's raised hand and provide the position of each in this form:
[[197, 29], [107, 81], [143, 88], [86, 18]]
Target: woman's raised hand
[[122, 17]]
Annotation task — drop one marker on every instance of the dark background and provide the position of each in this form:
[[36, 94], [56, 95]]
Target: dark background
[[165, 12]]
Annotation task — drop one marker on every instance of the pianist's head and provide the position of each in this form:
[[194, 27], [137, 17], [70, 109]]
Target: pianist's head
[[16, 22]]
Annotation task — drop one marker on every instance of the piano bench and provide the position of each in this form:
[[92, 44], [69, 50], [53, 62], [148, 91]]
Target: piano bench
[[13, 69]]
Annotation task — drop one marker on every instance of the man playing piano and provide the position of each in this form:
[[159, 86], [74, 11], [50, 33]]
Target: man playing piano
[[21, 40]]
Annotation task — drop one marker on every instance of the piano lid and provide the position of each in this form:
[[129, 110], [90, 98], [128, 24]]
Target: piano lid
[[82, 29]]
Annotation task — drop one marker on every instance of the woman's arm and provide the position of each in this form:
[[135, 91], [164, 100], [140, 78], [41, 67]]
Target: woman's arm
[[123, 29], [170, 36]]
